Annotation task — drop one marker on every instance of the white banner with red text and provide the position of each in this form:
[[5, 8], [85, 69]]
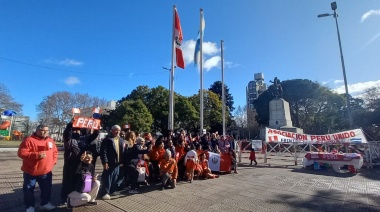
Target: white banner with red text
[[355, 136]]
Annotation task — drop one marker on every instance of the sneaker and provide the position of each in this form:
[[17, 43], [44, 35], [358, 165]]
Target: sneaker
[[30, 209], [106, 197], [133, 191], [47, 207]]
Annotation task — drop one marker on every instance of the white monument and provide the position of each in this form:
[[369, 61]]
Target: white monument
[[279, 113]]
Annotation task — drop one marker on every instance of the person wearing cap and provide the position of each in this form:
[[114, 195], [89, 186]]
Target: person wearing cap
[[168, 171], [75, 141], [39, 155]]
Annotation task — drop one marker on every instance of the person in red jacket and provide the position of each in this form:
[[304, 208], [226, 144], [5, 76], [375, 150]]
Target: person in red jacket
[[39, 154]]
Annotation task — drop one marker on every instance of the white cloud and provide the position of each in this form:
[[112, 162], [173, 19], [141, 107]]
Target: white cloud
[[338, 81], [72, 80], [212, 62], [65, 62], [358, 88], [211, 52], [369, 13]]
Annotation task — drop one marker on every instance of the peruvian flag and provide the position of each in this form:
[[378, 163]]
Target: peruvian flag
[[219, 162], [178, 37]]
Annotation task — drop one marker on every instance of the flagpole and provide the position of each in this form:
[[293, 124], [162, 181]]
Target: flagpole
[[223, 92], [171, 85], [201, 71]]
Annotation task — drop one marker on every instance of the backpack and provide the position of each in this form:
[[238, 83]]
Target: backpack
[[86, 183]]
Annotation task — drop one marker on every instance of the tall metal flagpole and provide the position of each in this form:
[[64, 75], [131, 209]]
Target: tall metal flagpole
[[171, 87], [201, 71], [223, 92]]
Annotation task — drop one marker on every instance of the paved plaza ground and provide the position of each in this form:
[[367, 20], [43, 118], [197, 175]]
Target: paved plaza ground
[[278, 187]]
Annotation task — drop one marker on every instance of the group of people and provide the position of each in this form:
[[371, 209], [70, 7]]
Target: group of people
[[128, 159]]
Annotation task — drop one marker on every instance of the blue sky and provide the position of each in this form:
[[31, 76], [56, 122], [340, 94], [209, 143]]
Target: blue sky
[[108, 48]]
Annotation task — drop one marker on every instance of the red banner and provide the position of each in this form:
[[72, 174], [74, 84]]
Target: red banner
[[332, 156], [85, 122]]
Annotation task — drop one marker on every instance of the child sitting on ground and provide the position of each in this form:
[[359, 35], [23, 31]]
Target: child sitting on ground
[[87, 185]]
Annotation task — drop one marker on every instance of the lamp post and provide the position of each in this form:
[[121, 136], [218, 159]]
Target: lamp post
[[334, 7]]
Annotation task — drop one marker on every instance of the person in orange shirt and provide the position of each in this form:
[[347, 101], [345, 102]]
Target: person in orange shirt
[[206, 171], [156, 155], [168, 171], [39, 155], [190, 161]]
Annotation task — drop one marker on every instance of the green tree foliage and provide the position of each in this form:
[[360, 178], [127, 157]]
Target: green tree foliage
[[212, 111], [217, 89], [134, 113], [313, 107], [185, 116]]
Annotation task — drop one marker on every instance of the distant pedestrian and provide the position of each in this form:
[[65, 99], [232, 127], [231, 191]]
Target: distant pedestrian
[[252, 156], [39, 154]]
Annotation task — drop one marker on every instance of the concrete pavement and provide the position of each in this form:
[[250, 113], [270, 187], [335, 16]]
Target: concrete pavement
[[279, 187]]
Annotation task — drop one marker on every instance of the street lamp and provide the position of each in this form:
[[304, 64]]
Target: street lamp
[[334, 7]]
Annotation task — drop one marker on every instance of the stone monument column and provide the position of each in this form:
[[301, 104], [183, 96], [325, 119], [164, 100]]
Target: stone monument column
[[279, 113]]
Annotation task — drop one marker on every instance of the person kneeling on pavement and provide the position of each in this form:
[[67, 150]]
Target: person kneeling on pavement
[[168, 171], [87, 185]]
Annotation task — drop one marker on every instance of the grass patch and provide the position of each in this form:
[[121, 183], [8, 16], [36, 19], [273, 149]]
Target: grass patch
[[15, 144]]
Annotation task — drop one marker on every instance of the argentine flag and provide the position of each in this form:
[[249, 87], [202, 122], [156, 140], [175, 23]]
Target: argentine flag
[[197, 51]]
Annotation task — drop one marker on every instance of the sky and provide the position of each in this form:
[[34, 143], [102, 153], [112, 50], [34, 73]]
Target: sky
[[108, 48]]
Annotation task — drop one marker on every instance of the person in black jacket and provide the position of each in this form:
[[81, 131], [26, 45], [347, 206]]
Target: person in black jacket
[[111, 155], [84, 170], [75, 144], [131, 158]]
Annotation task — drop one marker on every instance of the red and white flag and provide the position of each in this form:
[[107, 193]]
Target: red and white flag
[[75, 110], [178, 37]]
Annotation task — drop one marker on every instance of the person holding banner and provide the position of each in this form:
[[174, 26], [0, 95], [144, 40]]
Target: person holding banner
[[205, 170], [75, 143]]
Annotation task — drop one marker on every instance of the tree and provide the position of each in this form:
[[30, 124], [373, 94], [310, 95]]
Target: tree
[[371, 97], [212, 111], [217, 89], [185, 116], [7, 101], [55, 109], [314, 108], [134, 113]]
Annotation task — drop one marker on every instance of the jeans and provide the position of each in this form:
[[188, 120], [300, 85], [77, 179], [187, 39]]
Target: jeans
[[45, 184], [112, 179], [132, 175]]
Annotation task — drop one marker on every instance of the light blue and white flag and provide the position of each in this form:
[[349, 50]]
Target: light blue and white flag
[[197, 52]]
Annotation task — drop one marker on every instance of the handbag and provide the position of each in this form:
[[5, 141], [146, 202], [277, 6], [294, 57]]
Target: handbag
[[86, 183]]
